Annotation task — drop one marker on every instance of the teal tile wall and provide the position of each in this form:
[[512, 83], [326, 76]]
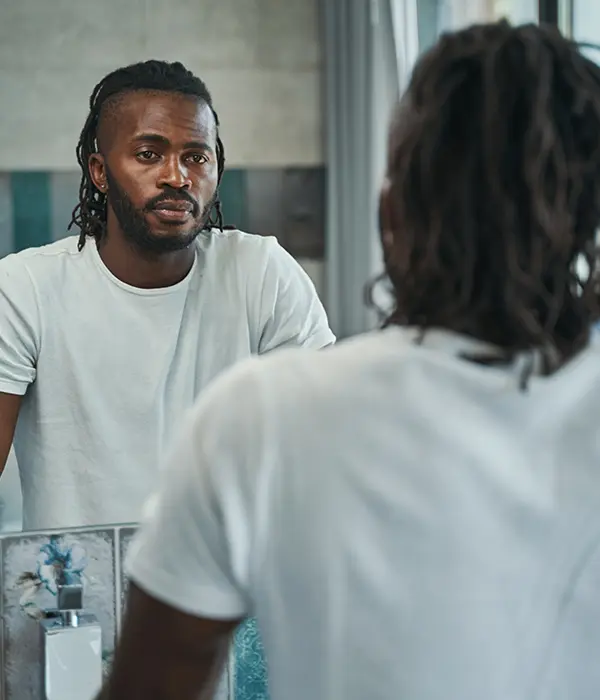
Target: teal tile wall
[[250, 678], [36, 207], [233, 193], [30, 193]]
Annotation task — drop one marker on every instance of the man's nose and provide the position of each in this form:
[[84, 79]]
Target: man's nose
[[175, 174]]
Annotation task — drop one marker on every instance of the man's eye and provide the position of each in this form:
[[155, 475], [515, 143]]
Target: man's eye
[[198, 158], [146, 155]]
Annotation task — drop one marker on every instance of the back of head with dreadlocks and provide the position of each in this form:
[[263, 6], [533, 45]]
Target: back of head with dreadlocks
[[155, 76], [493, 192]]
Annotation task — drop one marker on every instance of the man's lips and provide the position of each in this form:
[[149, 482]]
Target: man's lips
[[174, 205], [173, 211]]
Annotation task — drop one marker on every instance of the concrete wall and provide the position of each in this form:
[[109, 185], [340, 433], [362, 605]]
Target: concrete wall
[[260, 58]]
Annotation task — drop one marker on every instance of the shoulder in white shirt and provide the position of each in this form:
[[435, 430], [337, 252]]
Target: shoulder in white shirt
[[108, 370], [402, 522]]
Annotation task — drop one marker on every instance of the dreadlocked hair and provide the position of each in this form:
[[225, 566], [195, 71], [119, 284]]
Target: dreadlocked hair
[[90, 213], [494, 176]]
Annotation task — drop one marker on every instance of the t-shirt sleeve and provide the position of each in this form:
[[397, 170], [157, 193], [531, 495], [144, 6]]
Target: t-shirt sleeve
[[291, 313], [198, 539], [19, 327]]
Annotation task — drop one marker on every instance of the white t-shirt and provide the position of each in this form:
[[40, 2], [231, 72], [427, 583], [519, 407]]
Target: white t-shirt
[[403, 523], [110, 369]]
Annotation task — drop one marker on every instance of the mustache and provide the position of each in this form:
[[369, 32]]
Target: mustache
[[171, 195]]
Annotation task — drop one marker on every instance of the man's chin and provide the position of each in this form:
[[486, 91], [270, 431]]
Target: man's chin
[[171, 240], [159, 228], [172, 231], [158, 241]]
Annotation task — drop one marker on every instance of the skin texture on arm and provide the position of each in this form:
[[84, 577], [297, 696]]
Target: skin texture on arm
[[164, 654], [9, 412]]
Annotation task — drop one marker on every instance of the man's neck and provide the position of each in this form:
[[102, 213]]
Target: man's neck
[[145, 271]]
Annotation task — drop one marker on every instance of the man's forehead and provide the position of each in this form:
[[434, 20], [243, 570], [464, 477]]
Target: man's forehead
[[130, 113]]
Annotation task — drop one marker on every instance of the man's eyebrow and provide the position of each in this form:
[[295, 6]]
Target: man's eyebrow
[[164, 141]]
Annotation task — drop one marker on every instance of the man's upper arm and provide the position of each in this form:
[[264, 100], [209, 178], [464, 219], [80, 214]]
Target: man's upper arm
[[9, 412], [164, 654], [19, 345], [291, 313]]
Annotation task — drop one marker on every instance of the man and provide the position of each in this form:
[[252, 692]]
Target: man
[[106, 339], [415, 513]]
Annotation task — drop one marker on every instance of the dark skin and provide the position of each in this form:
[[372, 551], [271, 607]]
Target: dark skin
[[9, 412], [152, 142], [164, 654]]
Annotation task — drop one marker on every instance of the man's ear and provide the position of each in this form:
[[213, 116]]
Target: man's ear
[[98, 171]]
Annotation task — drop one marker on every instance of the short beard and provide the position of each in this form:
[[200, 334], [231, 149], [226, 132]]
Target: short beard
[[138, 233]]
